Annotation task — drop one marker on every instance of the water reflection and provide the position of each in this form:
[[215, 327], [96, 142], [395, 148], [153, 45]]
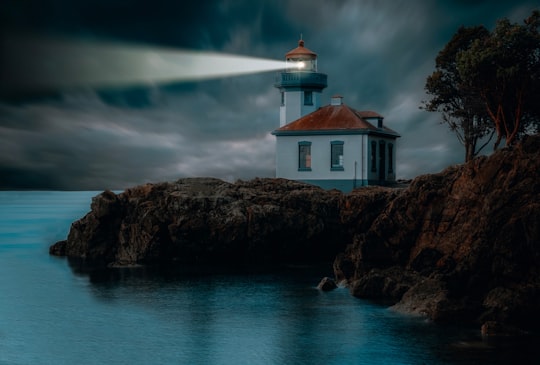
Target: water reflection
[[276, 315]]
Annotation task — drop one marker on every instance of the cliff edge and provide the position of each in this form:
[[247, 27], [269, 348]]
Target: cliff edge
[[463, 244], [205, 220]]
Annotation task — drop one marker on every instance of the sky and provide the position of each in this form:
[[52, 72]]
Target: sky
[[377, 55]]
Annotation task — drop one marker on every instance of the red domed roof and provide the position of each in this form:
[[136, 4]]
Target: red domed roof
[[301, 51]]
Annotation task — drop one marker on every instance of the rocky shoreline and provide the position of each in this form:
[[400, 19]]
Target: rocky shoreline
[[462, 245]]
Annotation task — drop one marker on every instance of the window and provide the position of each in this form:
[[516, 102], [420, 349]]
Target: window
[[390, 158], [336, 155], [308, 97], [373, 156], [282, 98], [304, 156]]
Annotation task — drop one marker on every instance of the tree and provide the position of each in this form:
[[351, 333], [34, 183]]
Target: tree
[[503, 70], [462, 109]]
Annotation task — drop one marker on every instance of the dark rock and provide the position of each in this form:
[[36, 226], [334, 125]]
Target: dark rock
[[327, 284], [389, 284], [430, 297], [59, 248], [425, 297], [205, 220], [209, 220], [344, 267], [494, 328], [472, 232]]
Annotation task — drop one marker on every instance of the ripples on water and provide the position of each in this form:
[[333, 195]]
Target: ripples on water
[[55, 312]]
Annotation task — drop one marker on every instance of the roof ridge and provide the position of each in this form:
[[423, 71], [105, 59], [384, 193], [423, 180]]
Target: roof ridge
[[335, 118]]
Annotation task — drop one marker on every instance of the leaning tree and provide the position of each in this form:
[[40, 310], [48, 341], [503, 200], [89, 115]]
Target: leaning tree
[[461, 108]]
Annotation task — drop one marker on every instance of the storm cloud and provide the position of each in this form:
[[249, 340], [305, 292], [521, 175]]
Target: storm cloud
[[377, 54]]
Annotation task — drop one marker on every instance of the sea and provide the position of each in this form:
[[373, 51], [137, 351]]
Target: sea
[[58, 311]]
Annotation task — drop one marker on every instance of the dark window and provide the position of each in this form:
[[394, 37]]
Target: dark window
[[373, 156], [390, 158], [282, 98], [336, 155], [304, 156], [308, 98]]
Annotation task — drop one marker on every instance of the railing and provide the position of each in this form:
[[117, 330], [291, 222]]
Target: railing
[[300, 78]]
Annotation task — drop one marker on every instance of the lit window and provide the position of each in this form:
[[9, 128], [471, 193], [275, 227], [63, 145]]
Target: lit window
[[373, 156], [336, 155], [308, 98], [304, 156]]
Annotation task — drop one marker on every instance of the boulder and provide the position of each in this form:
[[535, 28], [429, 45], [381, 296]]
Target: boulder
[[387, 284]]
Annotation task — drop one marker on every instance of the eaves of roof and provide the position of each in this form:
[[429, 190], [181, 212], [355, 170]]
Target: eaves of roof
[[335, 119], [332, 132]]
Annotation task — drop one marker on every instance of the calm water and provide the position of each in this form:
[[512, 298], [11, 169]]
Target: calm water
[[53, 312]]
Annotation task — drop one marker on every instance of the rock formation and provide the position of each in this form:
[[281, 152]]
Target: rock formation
[[463, 244], [205, 220], [459, 245]]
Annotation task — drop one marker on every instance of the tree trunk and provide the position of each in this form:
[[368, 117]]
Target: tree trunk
[[469, 151]]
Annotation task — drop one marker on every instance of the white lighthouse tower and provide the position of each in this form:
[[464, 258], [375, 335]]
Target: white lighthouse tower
[[300, 84]]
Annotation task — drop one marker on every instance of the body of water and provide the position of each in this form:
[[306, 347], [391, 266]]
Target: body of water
[[53, 311]]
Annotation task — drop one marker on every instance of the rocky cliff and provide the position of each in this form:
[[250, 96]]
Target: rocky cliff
[[205, 220], [459, 245]]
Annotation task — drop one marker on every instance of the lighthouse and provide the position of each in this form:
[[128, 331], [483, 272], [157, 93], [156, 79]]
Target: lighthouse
[[333, 146], [300, 84]]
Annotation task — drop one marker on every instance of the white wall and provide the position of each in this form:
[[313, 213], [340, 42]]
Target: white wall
[[356, 157], [287, 157], [294, 107]]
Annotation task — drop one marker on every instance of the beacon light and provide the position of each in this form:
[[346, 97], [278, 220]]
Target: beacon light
[[296, 65], [31, 63]]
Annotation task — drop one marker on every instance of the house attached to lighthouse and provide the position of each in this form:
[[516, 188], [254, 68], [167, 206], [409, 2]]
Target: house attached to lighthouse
[[334, 146]]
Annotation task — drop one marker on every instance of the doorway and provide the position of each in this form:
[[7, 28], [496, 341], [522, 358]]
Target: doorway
[[382, 161]]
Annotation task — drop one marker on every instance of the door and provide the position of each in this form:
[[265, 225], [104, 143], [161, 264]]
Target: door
[[382, 161]]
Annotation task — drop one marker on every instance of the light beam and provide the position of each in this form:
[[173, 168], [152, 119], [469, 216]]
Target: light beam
[[30, 63]]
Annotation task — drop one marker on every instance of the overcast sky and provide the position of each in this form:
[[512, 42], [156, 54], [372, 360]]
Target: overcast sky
[[377, 54]]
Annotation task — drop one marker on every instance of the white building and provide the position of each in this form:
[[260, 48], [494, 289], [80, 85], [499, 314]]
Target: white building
[[333, 146]]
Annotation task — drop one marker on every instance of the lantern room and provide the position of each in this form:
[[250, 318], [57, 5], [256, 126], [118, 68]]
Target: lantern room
[[301, 59]]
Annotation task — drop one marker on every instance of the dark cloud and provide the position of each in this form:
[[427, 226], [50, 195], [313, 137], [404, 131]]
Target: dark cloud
[[376, 53]]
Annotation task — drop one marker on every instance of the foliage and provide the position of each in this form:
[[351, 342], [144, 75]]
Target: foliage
[[504, 70], [461, 110], [488, 82]]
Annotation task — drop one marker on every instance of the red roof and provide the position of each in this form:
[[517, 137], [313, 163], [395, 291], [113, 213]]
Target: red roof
[[300, 51], [335, 118]]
